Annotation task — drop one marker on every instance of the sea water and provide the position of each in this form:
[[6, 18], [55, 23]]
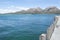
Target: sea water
[[24, 26]]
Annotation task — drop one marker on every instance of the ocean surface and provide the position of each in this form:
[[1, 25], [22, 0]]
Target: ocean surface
[[24, 26]]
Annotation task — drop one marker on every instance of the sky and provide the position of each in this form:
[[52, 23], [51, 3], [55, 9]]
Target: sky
[[16, 5]]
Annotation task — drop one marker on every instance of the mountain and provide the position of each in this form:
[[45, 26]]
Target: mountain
[[34, 10], [31, 10], [52, 9]]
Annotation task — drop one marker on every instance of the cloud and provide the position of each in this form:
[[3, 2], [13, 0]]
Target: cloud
[[12, 9]]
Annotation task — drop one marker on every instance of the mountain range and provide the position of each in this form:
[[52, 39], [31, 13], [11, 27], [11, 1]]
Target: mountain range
[[48, 10]]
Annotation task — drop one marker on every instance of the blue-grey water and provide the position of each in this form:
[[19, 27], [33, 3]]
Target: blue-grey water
[[24, 26]]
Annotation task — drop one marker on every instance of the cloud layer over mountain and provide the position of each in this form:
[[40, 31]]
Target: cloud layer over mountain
[[12, 9]]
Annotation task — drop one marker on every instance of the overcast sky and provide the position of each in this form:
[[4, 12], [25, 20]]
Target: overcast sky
[[16, 5]]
